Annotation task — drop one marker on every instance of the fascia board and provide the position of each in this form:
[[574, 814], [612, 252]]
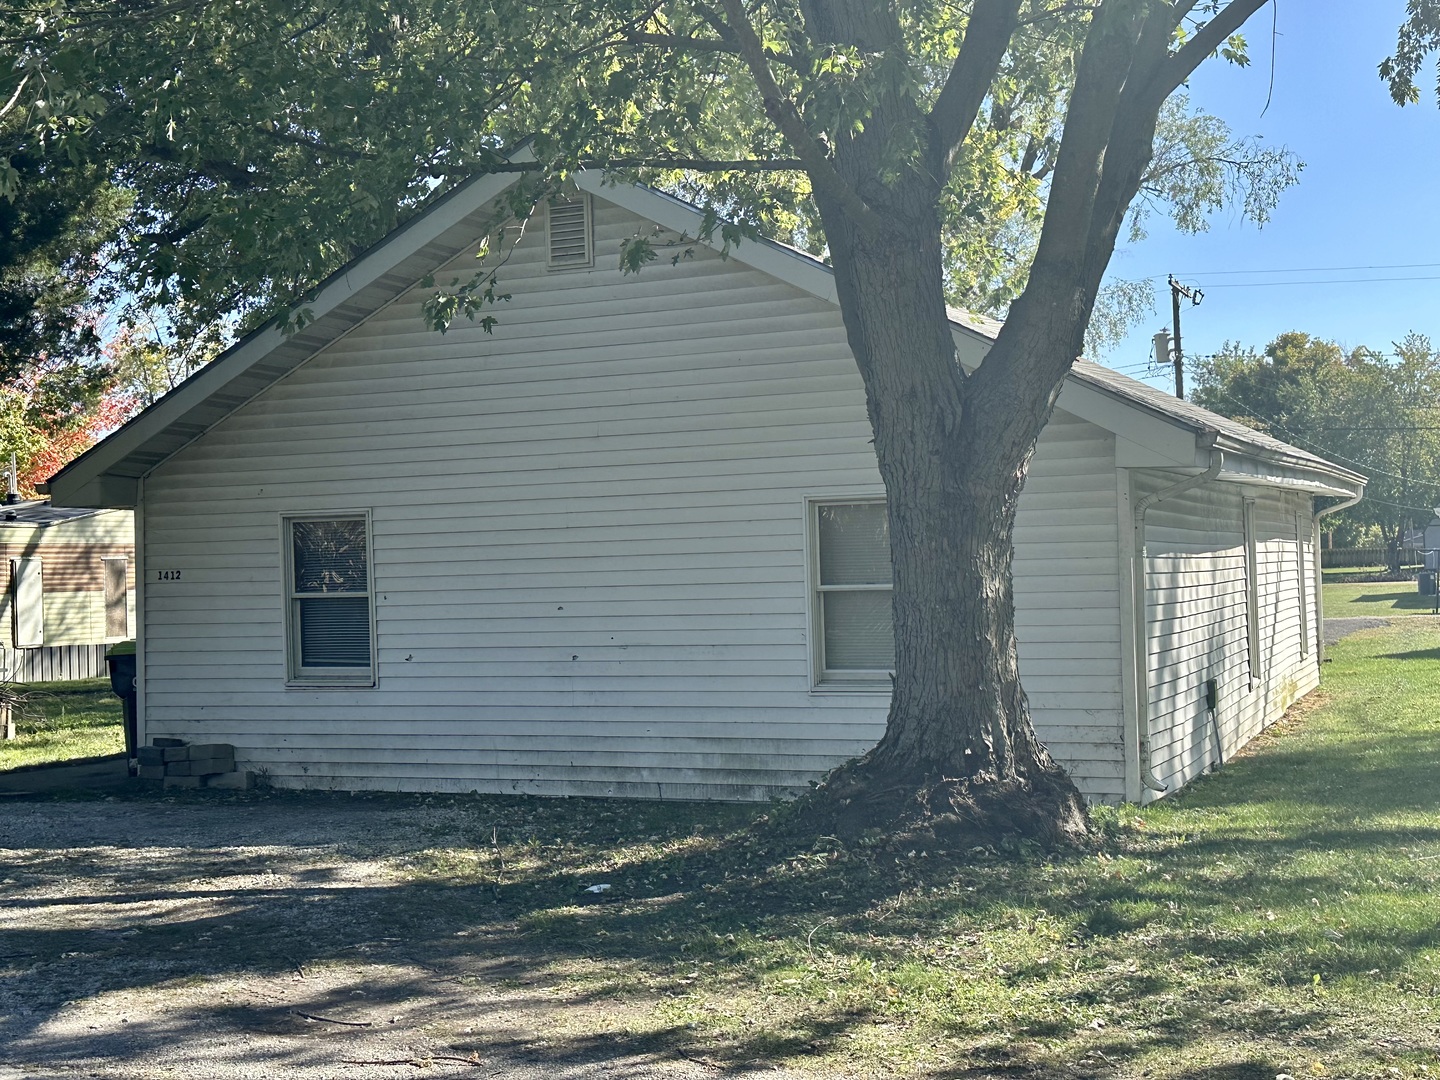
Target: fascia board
[[213, 378], [1246, 469]]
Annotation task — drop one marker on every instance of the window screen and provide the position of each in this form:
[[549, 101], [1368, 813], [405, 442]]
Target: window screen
[[856, 629], [330, 599]]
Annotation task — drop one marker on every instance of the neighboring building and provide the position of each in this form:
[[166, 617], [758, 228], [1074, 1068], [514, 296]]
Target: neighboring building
[[69, 589], [632, 543]]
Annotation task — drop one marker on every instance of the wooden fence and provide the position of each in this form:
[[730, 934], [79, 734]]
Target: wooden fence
[[1367, 556]]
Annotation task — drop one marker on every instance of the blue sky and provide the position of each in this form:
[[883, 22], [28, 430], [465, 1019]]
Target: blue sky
[[1367, 197]]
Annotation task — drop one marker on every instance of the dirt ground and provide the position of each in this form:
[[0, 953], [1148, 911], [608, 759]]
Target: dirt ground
[[282, 937]]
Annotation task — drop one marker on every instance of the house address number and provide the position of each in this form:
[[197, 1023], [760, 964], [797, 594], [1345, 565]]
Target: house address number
[[167, 575]]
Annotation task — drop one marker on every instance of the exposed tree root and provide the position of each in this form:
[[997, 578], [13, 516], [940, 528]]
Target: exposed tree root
[[858, 799]]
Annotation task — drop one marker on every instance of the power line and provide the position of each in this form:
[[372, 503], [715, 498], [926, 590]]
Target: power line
[[1401, 506], [1321, 281], [1302, 440], [1303, 270]]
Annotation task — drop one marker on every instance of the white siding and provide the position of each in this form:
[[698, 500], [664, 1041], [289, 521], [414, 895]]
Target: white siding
[[588, 547], [1067, 603], [1197, 611]]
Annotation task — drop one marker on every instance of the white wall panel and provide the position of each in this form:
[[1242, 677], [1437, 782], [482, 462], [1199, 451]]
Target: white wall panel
[[1197, 629], [589, 547]]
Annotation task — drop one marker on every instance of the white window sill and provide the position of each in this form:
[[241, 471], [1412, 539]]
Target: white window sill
[[874, 689], [330, 682]]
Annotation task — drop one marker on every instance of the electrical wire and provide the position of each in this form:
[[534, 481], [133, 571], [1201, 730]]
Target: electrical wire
[[1302, 270], [1327, 452], [1323, 281]]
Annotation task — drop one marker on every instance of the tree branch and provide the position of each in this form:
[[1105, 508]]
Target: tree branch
[[686, 43], [313, 144], [1100, 76], [987, 36], [1206, 40], [227, 171], [783, 114], [748, 165]]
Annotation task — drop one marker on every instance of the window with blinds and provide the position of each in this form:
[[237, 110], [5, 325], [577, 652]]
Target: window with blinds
[[330, 614], [850, 569]]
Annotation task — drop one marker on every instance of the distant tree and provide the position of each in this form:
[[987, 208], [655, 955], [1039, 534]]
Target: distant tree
[[55, 224], [1377, 414], [52, 412], [150, 359]]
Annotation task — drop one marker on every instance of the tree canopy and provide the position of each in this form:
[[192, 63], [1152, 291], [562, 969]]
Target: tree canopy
[[264, 144], [1374, 412]]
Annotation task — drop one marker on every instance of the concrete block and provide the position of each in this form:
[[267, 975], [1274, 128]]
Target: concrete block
[[200, 767], [162, 741], [176, 753], [184, 781], [150, 755], [151, 772], [212, 750], [232, 781]]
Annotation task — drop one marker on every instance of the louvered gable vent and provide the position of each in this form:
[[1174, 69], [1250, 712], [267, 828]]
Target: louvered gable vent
[[569, 233]]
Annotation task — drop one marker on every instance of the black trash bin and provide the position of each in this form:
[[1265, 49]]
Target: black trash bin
[[1427, 583], [120, 659]]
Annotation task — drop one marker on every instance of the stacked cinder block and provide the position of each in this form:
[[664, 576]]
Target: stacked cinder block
[[192, 765]]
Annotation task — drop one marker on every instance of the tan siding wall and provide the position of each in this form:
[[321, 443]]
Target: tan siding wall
[[589, 547], [1196, 606], [72, 555]]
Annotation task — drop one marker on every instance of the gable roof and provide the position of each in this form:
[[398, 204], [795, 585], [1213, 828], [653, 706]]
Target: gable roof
[[1152, 429]]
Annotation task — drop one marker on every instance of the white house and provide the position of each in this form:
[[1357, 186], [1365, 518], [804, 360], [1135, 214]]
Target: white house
[[632, 542]]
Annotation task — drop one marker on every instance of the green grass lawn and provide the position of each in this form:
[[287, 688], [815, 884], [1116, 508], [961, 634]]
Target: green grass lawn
[[1281, 916], [1382, 598], [62, 721]]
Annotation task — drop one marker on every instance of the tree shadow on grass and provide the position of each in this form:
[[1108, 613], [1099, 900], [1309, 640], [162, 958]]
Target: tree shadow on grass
[[749, 944]]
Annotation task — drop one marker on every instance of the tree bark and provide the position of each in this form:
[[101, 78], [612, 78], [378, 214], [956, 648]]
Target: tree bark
[[953, 478]]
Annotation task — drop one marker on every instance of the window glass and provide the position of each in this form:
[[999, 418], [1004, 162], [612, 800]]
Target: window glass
[[335, 632], [330, 556], [859, 631], [854, 544], [855, 627]]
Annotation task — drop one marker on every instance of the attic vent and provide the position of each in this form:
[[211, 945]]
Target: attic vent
[[569, 232]]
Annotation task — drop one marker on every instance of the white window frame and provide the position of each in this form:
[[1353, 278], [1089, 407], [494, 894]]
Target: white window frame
[[823, 681], [321, 677]]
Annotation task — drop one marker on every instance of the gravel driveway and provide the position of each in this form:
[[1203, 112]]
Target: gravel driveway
[[282, 937], [1335, 629]]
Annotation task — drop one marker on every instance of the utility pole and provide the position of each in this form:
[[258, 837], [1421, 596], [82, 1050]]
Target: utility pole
[[1194, 296]]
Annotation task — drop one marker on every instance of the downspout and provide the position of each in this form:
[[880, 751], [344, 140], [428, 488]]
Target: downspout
[[1319, 573], [1138, 595]]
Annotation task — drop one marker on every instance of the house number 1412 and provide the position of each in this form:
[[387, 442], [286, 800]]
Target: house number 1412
[[167, 575]]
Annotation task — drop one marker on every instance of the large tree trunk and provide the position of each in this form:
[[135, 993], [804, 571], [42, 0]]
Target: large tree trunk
[[953, 476]]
